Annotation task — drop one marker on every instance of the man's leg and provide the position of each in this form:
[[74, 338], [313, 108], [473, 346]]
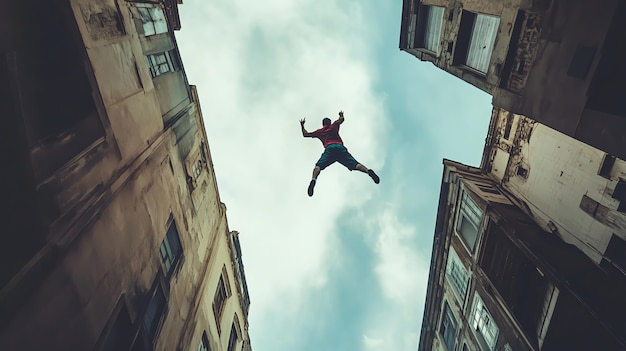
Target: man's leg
[[316, 172], [370, 172], [351, 163]]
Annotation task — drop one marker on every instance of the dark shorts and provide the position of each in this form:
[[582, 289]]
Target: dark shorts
[[336, 153]]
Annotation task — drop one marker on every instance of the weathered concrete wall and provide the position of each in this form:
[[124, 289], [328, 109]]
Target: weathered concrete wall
[[506, 11], [551, 96], [561, 171], [113, 202]]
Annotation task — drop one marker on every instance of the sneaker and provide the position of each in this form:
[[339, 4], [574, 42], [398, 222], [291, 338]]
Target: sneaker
[[373, 175], [311, 186]]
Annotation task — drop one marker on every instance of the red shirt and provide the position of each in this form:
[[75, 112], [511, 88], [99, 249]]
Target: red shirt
[[329, 134]]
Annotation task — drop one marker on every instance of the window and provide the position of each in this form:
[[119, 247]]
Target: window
[[522, 172], [121, 333], [221, 294], [425, 27], [483, 323], [457, 275], [152, 20], [171, 249], [477, 35], [508, 126], [448, 327], [163, 62], [468, 222], [232, 339], [155, 311], [619, 193], [549, 302], [204, 343], [607, 166]]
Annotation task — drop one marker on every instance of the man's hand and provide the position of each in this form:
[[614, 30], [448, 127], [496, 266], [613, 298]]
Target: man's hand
[[304, 132], [340, 117], [340, 113]]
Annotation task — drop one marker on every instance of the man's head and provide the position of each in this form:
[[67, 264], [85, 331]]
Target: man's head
[[326, 122]]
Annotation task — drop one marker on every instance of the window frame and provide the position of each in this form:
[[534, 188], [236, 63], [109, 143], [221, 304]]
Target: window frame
[[448, 316], [234, 331], [421, 25], [463, 212], [468, 36], [151, 333], [204, 344], [151, 17], [163, 62], [219, 305], [479, 314], [119, 310], [455, 261], [171, 240]]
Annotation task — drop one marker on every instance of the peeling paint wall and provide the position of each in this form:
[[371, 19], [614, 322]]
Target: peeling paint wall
[[506, 12], [562, 172], [105, 212]]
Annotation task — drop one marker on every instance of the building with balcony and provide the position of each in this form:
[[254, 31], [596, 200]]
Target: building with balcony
[[115, 235], [499, 281], [557, 62]]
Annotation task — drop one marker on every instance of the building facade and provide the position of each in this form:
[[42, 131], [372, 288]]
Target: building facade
[[499, 281], [115, 234], [572, 189], [555, 61]]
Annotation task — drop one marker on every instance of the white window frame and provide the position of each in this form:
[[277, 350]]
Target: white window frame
[[481, 45], [432, 28], [152, 18], [482, 323], [474, 214], [458, 276], [549, 303], [161, 62]]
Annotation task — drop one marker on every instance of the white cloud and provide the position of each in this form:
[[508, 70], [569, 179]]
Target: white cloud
[[372, 343], [402, 275], [259, 67]]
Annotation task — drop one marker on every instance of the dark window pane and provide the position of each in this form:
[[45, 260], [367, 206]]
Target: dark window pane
[[170, 248], [121, 334], [448, 327], [204, 343], [153, 314], [469, 232], [232, 340]]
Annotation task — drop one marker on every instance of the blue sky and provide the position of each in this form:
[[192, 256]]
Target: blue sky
[[346, 269]]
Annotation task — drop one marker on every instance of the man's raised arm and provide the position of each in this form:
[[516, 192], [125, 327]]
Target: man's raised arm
[[304, 132], [341, 119]]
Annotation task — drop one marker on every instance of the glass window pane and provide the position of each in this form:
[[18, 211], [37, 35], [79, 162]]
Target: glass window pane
[[153, 313], [159, 20], [468, 231]]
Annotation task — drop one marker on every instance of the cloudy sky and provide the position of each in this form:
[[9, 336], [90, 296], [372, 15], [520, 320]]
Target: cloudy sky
[[347, 269]]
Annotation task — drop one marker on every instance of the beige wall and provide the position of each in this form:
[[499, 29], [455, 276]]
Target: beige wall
[[561, 170], [114, 201]]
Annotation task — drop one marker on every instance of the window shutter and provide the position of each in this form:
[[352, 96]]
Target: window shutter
[[433, 28], [482, 41]]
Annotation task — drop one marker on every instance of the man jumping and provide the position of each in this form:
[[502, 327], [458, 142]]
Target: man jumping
[[334, 151]]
